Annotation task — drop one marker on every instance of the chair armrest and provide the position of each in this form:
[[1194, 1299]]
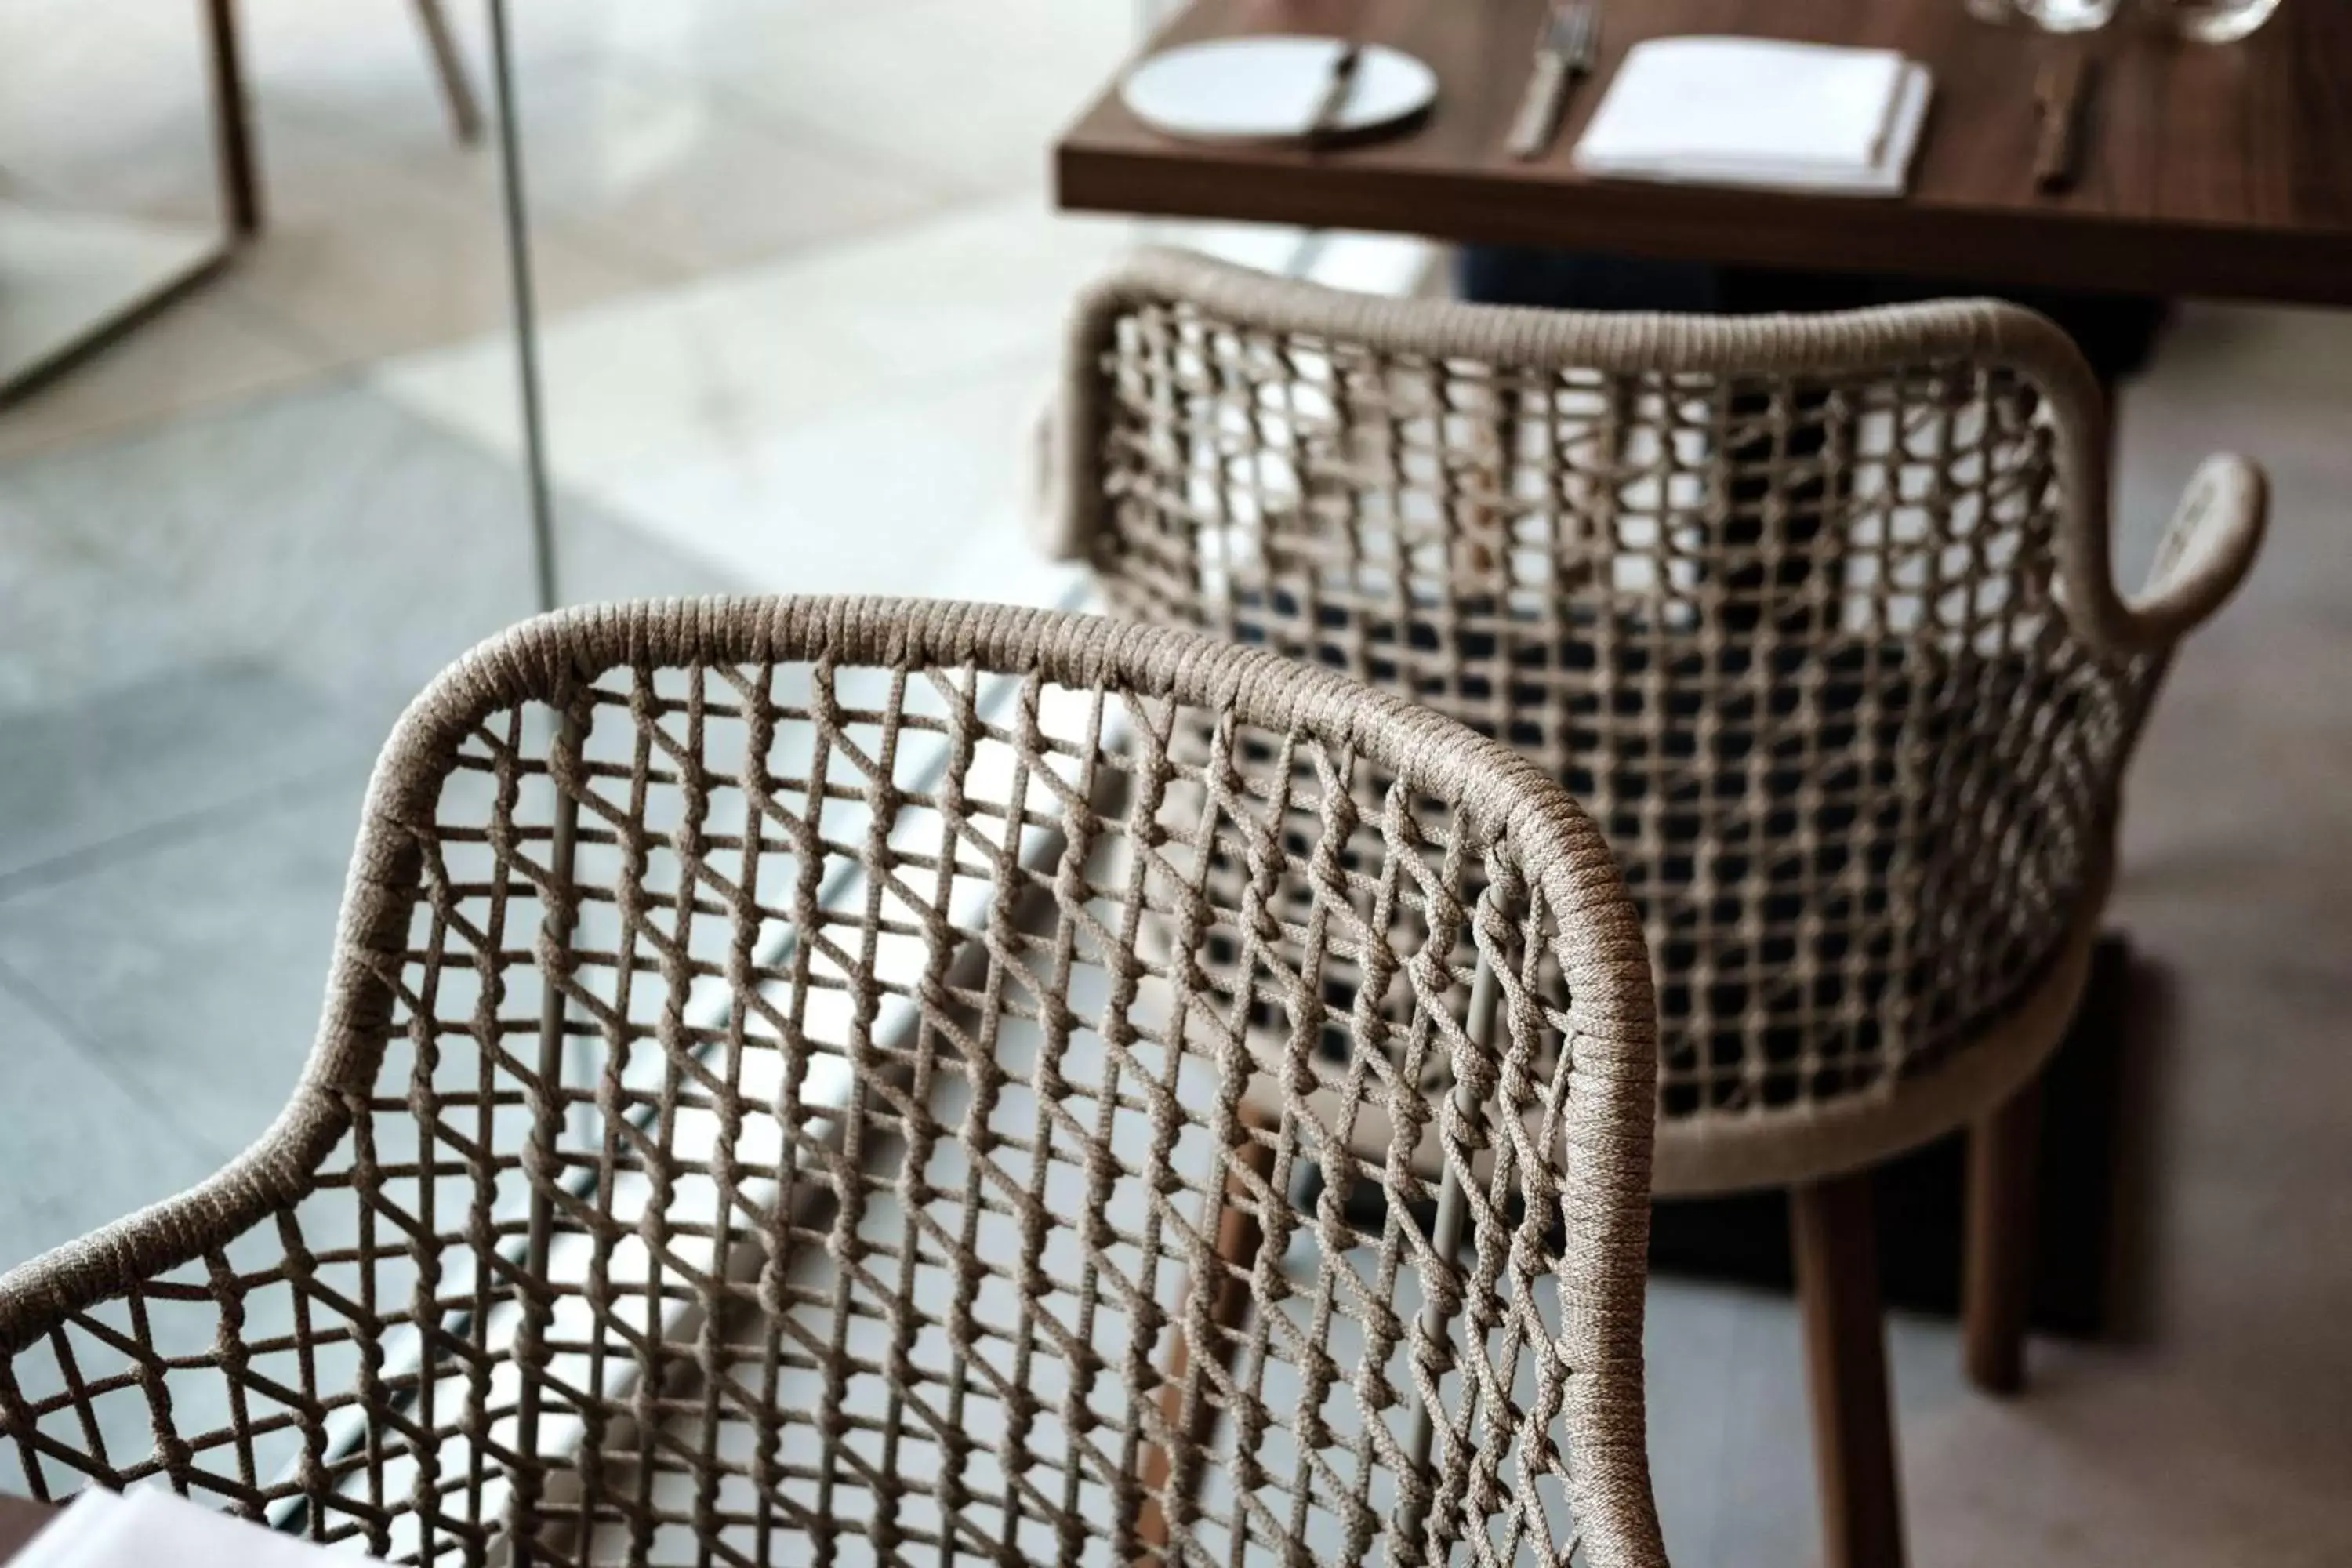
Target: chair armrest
[[1056, 528], [2206, 551]]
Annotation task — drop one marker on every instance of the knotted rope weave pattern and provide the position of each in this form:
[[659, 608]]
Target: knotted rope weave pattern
[[771, 1093], [1813, 615]]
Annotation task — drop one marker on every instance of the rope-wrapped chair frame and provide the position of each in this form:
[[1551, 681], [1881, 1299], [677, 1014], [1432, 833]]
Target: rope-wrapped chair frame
[[770, 1097], [1814, 615]]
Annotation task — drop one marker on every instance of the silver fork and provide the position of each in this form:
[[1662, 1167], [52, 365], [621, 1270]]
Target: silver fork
[[1565, 54]]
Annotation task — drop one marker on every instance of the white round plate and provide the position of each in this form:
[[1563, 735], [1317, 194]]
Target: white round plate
[[1263, 89]]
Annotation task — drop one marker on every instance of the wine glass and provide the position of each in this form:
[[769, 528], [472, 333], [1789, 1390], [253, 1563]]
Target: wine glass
[[2067, 16], [2212, 21]]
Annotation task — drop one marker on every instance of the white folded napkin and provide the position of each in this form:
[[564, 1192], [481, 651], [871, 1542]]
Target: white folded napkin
[[1756, 111]]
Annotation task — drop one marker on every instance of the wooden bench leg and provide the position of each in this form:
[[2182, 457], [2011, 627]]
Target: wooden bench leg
[[1238, 1236], [1845, 1360], [1997, 1277]]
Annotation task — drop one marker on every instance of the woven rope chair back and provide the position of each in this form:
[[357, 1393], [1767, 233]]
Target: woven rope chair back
[[771, 1097], [1813, 615]]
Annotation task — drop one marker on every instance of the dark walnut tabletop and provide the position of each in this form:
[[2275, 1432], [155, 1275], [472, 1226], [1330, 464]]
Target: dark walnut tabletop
[[2221, 171]]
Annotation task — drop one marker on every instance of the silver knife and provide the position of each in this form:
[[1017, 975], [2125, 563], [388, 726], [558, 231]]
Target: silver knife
[[1565, 53], [1325, 121]]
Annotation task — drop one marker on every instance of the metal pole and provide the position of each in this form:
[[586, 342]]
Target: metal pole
[[526, 309]]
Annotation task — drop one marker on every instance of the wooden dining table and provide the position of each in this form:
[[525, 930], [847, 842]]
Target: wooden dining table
[[2214, 171]]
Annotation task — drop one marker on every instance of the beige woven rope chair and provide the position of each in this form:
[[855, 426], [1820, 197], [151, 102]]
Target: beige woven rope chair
[[769, 1101], [1814, 615]]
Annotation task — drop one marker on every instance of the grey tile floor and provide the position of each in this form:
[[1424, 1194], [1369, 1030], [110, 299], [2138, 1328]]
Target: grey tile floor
[[102, 1142], [193, 705]]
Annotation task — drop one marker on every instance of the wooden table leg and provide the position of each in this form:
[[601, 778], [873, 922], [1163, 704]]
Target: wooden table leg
[[232, 121], [1238, 1234], [1998, 1278], [1845, 1362]]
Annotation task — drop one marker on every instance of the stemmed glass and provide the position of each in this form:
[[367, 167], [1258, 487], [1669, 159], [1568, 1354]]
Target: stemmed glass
[[2203, 21]]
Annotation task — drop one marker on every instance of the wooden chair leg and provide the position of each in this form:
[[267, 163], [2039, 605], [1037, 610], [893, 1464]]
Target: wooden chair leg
[[449, 67], [1846, 1359], [1238, 1236], [1997, 1277]]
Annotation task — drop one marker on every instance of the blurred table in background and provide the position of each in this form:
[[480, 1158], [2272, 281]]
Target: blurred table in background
[[2209, 171], [73, 280]]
